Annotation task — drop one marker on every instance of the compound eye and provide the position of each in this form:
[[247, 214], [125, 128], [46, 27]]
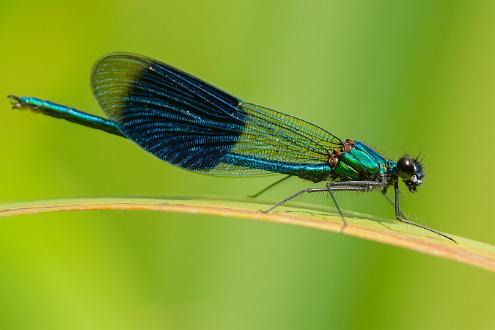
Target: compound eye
[[406, 168]]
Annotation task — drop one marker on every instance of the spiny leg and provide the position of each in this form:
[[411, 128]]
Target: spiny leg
[[373, 184], [330, 192], [282, 202], [363, 186], [401, 218], [339, 186], [270, 186]]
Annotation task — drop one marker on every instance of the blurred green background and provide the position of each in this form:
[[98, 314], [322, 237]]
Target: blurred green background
[[403, 76]]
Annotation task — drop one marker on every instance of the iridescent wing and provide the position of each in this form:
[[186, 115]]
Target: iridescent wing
[[191, 124]]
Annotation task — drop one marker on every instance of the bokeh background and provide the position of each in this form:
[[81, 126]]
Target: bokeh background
[[404, 76]]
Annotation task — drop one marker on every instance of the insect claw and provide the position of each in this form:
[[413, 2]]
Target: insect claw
[[16, 101]]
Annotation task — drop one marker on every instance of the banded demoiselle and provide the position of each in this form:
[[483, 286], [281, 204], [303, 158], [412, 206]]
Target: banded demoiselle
[[198, 127]]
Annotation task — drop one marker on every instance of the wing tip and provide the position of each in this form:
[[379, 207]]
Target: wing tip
[[106, 84]]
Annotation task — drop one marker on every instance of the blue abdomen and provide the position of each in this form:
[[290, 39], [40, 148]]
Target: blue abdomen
[[312, 172]]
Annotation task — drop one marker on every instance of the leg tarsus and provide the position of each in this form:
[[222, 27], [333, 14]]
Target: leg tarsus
[[401, 218]]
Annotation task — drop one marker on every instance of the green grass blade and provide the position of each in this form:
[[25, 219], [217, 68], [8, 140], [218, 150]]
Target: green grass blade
[[397, 234]]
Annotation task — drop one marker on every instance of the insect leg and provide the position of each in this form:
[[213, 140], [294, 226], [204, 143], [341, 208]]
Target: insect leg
[[401, 218], [338, 186], [270, 186], [372, 184], [282, 202], [363, 186]]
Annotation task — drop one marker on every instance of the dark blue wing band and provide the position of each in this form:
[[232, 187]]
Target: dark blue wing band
[[169, 113], [189, 123]]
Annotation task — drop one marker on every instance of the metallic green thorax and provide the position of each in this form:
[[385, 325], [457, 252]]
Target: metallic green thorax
[[361, 163]]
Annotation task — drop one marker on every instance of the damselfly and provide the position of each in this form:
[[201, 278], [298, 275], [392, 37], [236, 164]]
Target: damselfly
[[198, 127]]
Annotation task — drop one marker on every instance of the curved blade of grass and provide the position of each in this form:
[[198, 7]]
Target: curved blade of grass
[[397, 234]]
